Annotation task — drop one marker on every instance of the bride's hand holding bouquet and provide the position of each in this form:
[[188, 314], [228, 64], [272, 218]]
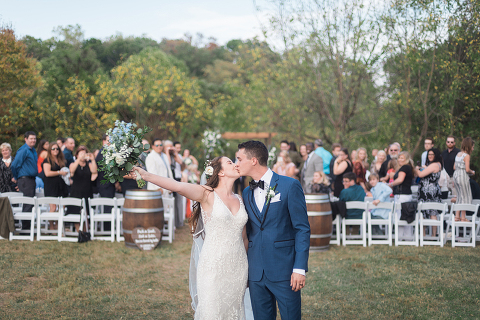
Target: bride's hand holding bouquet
[[123, 152]]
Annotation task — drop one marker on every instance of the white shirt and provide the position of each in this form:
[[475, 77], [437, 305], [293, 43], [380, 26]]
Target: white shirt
[[260, 194], [424, 158], [156, 164]]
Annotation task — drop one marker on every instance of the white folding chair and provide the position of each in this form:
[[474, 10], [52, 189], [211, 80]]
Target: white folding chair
[[399, 223], [476, 201], [44, 215], [98, 216], [380, 239], [433, 239], [119, 202], [72, 218], [12, 195], [168, 233], [335, 239], [468, 238], [355, 239], [21, 215]]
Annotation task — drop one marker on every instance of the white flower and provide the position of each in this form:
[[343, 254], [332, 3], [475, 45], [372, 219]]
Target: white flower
[[271, 193], [119, 159], [209, 170]]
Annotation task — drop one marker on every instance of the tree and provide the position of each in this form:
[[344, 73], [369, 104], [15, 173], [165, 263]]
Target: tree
[[415, 30], [19, 78], [149, 89]]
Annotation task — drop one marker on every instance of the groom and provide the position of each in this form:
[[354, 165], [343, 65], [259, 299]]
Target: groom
[[278, 233]]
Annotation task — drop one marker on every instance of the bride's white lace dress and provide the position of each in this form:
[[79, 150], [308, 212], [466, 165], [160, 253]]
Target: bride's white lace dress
[[222, 271]]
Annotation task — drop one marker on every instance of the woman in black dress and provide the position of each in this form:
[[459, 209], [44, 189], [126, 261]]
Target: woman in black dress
[[342, 165], [83, 171], [54, 184]]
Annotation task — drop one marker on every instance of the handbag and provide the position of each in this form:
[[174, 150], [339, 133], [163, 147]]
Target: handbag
[[84, 236]]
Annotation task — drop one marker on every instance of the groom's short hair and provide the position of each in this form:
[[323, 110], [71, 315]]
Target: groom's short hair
[[255, 149]]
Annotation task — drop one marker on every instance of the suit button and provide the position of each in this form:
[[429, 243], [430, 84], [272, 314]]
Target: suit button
[[261, 229]]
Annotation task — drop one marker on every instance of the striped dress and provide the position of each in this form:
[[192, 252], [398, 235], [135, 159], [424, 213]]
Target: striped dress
[[462, 181]]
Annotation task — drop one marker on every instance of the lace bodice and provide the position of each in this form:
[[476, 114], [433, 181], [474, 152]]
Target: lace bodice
[[222, 267]]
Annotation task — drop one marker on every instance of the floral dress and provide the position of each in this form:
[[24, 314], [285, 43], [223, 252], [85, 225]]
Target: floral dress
[[430, 192]]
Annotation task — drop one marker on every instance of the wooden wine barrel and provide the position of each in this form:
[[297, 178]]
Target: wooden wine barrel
[[142, 209], [320, 219]]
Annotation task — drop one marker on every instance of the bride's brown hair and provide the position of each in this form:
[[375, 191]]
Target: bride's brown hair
[[212, 183]]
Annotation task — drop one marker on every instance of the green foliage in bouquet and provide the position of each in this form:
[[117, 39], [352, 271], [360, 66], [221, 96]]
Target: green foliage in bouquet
[[123, 151]]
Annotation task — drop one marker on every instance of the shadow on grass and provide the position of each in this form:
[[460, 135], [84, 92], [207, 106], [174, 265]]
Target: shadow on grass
[[103, 280]]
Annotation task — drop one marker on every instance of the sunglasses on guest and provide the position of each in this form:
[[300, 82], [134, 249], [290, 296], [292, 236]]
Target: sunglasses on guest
[[55, 149]]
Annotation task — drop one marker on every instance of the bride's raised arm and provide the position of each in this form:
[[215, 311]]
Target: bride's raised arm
[[191, 191]]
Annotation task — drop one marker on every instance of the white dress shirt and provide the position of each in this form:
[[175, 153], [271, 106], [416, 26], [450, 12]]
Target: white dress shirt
[[156, 164], [260, 195]]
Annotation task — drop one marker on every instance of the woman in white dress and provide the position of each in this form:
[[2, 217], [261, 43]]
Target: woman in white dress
[[222, 271]]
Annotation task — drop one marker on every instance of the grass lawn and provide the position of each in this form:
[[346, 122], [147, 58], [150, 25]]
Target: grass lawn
[[103, 280]]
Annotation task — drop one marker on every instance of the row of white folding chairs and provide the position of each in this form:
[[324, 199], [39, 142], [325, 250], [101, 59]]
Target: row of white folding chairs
[[42, 215], [418, 224], [37, 217]]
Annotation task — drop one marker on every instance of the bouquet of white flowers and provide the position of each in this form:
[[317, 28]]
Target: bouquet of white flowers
[[123, 152]]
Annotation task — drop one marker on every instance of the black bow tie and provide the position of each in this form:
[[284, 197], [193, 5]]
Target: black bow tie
[[260, 184]]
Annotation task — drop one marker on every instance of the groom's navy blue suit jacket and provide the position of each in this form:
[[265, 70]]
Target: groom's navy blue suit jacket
[[281, 243]]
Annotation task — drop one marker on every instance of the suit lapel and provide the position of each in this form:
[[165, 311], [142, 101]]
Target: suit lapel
[[273, 183], [255, 213]]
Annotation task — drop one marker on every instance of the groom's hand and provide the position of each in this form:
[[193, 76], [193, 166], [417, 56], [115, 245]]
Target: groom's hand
[[297, 281]]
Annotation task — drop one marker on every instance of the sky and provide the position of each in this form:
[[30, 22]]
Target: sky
[[224, 20]]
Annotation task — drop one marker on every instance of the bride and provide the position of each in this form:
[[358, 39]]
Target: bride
[[222, 269]]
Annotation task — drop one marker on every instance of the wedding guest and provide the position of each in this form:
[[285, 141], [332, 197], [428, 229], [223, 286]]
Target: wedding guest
[[429, 187], [61, 143], [107, 189], [393, 151], [303, 156], [402, 187], [320, 183], [336, 147], [187, 154], [380, 193], [156, 163], [54, 184], [352, 192], [428, 144], [7, 182], [24, 169], [83, 171], [143, 155], [294, 154], [68, 151], [461, 178], [176, 164], [448, 156], [178, 146], [377, 164], [360, 166], [374, 154], [42, 151], [313, 164], [284, 165], [353, 154], [324, 154], [342, 165]]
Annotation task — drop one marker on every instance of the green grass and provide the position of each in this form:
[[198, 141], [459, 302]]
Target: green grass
[[103, 280]]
